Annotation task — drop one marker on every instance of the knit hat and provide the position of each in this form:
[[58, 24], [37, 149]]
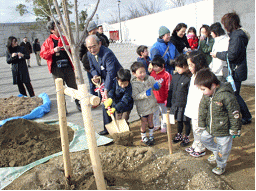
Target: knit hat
[[163, 30], [92, 25]]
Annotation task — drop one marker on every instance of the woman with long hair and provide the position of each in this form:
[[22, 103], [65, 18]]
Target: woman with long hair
[[236, 55], [16, 55]]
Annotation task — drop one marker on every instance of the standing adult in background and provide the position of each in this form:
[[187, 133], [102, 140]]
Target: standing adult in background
[[59, 64], [164, 48], [236, 54], [100, 31], [221, 41], [16, 55], [103, 64], [179, 38], [206, 42], [92, 30], [37, 48], [28, 48]]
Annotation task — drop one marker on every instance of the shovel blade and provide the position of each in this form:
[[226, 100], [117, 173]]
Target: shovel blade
[[120, 124]]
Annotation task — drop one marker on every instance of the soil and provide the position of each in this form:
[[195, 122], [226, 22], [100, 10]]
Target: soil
[[23, 141], [18, 106], [140, 167]]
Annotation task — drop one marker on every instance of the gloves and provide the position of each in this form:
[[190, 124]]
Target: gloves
[[108, 102], [156, 86], [111, 111], [148, 92], [235, 133]]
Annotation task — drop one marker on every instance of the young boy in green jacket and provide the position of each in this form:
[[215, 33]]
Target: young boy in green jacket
[[219, 114]]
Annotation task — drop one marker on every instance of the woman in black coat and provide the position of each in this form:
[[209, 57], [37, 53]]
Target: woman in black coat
[[236, 55], [179, 38], [16, 56]]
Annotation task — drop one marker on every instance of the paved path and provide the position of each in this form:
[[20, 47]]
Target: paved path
[[43, 83]]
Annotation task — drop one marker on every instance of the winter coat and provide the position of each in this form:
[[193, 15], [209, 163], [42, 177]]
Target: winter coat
[[105, 39], [193, 100], [36, 47], [159, 49], [47, 49], [178, 92], [19, 66], [145, 62], [179, 43], [145, 104], [106, 67], [236, 54], [220, 112], [27, 46], [220, 44], [122, 97], [206, 47], [164, 78], [192, 41]]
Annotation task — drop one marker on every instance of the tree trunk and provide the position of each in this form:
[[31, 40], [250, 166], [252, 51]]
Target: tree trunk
[[77, 65]]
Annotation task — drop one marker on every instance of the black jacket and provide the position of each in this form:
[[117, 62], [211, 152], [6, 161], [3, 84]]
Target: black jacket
[[236, 54], [177, 95], [19, 66], [36, 47], [27, 46], [105, 38], [179, 43]]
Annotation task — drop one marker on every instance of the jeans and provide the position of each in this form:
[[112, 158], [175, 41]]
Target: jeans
[[221, 149], [246, 115]]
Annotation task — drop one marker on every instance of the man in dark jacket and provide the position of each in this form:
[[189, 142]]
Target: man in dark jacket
[[101, 34], [104, 64], [37, 48], [28, 49]]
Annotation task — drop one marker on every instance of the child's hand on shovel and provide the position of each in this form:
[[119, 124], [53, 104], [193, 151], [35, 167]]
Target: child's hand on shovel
[[108, 102], [111, 111]]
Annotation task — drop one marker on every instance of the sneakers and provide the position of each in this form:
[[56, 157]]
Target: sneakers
[[185, 141], [151, 140], [177, 138], [197, 154], [212, 159], [218, 170], [190, 149], [148, 141]]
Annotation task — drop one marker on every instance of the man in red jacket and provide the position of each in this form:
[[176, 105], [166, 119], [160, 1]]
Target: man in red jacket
[[59, 64]]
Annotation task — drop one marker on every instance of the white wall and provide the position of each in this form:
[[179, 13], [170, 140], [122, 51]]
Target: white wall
[[144, 30]]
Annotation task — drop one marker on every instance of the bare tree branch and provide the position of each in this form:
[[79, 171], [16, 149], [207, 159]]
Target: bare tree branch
[[84, 34], [67, 20], [76, 22]]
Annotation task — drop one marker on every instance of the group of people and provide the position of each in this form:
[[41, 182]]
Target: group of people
[[184, 74]]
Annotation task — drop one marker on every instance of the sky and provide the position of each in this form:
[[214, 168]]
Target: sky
[[106, 10]]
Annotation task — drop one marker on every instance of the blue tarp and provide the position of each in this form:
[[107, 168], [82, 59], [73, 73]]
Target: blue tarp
[[35, 113]]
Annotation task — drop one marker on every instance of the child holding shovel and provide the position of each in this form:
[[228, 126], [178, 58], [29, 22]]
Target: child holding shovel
[[145, 101], [120, 96]]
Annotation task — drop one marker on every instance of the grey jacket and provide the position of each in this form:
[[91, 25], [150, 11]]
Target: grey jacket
[[145, 104], [220, 112]]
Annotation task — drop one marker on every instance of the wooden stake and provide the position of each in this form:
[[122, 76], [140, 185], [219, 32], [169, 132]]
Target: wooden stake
[[169, 131], [63, 126], [91, 139]]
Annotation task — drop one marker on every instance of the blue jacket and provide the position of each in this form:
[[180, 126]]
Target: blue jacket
[[145, 62], [122, 97], [106, 67], [159, 48]]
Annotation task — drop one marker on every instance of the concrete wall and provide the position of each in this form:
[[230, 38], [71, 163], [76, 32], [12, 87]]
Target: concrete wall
[[31, 30], [246, 11], [144, 30]]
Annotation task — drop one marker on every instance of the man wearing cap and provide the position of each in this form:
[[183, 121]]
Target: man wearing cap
[[164, 48], [92, 30], [100, 31], [103, 63]]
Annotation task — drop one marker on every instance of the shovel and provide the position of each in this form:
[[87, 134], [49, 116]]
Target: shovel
[[117, 126]]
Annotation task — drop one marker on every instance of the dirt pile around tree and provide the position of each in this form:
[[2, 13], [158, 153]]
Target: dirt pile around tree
[[24, 141], [18, 106]]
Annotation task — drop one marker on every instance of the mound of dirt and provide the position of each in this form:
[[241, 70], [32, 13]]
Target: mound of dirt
[[23, 141], [18, 106]]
